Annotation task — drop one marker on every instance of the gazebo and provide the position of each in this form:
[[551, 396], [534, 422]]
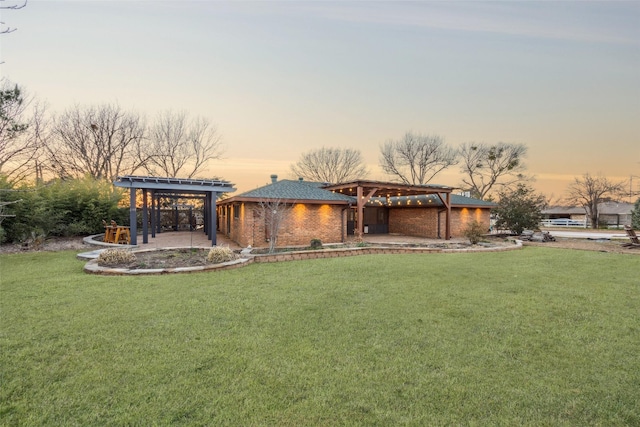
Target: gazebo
[[185, 188]]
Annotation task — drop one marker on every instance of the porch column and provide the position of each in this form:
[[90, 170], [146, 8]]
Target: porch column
[[213, 228], [447, 231], [360, 209], [145, 217], [158, 215], [212, 225], [132, 216], [153, 213], [446, 201], [205, 213]]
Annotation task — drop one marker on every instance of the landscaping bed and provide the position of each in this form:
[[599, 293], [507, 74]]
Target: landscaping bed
[[168, 258]]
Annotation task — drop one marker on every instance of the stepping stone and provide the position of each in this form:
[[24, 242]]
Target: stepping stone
[[90, 255]]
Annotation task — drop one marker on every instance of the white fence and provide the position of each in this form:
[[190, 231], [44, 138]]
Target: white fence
[[563, 222]]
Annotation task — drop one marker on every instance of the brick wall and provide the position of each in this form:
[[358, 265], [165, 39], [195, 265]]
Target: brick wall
[[302, 223], [414, 222], [424, 222], [461, 217], [305, 222]]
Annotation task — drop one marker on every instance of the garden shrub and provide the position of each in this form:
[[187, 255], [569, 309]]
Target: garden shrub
[[474, 231], [635, 215], [519, 209], [219, 254], [114, 257], [315, 244], [60, 208]]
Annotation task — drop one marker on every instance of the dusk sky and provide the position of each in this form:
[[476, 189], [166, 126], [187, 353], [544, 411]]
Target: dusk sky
[[281, 78]]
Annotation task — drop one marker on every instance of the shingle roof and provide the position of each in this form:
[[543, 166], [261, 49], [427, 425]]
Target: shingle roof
[[606, 208], [302, 191], [458, 200], [295, 190]]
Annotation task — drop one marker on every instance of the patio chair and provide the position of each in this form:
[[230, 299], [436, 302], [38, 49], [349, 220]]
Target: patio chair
[[631, 234], [109, 232]]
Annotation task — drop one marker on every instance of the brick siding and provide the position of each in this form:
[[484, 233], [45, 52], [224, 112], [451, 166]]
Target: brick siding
[[301, 224], [305, 222], [422, 222]]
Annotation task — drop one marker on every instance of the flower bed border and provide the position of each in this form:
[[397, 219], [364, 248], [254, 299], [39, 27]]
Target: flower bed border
[[92, 266]]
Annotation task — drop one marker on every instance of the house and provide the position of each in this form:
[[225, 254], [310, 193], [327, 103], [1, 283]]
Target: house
[[333, 212], [610, 214]]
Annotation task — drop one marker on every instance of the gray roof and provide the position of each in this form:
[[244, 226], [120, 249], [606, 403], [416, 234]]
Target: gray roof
[[174, 184], [605, 208], [295, 190], [564, 210], [302, 191], [615, 208]]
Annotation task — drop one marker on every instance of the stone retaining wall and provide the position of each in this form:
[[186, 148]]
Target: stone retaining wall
[[372, 250]]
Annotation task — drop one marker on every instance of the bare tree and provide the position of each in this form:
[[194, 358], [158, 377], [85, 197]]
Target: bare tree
[[273, 212], [22, 127], [182, 147], [102, 141], [416, 159], [588, 191], [486, 166], [331, 165], [13, 6]]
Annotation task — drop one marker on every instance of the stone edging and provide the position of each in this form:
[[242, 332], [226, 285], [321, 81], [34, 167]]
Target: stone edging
[[91, 240], [372, 250], [92, 266]]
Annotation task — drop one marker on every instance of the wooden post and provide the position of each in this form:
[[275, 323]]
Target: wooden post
[[360, 207], [446, 201], [448, 221]]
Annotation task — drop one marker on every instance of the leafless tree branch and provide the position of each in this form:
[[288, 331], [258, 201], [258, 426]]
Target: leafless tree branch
[[274, 212], [182, 147], [589, 191], [486, 166], [416, 158], [331, 165], [8, 30], [101, 141]]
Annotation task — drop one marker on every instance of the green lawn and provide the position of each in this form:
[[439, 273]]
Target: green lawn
[[532, 337]]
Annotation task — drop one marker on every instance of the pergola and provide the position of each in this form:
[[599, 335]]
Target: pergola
[[156, 187], [363, 191]]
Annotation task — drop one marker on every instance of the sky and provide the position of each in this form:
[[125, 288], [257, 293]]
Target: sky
[[281, 78]]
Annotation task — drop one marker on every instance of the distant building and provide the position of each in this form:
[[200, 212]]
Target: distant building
[[610, 214]]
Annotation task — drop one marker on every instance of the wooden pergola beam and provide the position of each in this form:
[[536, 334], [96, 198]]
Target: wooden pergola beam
[[358, 189], [362, 200], [446, 201]]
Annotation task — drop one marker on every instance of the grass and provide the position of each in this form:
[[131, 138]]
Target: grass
[[533, 337]]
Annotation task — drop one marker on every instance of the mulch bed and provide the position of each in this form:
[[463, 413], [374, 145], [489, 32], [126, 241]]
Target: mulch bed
[[173, 258]]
